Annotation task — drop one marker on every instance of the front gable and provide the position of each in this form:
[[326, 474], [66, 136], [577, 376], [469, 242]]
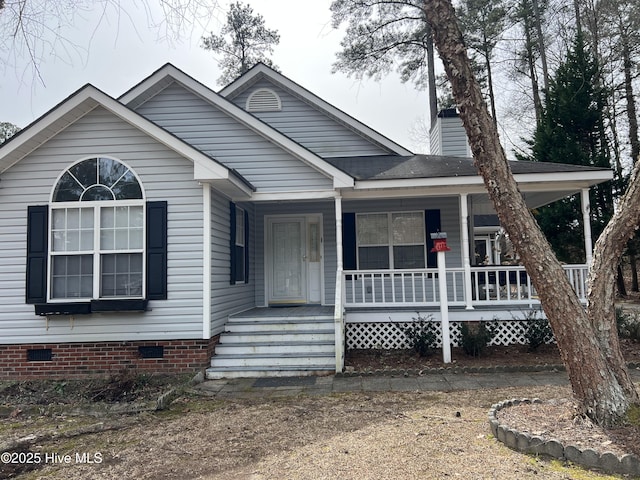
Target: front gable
[[195, 113], [308, 119], [208, 128], [303, 121]]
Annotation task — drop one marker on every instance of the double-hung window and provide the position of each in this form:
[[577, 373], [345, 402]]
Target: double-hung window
[[239, 246], [394, 240], [97, 234]]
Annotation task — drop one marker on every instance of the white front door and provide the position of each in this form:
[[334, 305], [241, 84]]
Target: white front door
[[294, 257]]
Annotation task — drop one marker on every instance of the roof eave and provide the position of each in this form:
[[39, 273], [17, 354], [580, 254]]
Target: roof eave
[[340, 178], [526, 181], [88, 98]]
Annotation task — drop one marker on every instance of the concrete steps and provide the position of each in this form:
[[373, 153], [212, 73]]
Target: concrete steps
[[274, 346]]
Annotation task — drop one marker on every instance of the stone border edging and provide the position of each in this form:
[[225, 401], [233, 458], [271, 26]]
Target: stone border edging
[[458, 369], [608, 462]]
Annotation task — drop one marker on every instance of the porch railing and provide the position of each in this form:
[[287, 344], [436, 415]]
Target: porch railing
[[492, 285]]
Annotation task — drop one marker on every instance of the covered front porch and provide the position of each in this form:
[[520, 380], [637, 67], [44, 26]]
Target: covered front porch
[[374, 305]]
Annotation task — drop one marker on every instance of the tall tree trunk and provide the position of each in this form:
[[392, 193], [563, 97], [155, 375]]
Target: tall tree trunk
[[634, 139], [630, 99], [601, 384], [531, 63], [492, 96], [431, 79], [622, 288], [576, 9], [541, 44]]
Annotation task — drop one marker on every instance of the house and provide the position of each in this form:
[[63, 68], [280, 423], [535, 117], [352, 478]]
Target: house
[[255, 231]]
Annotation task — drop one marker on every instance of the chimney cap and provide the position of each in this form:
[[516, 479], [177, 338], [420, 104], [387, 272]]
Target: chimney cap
[[448, 113]]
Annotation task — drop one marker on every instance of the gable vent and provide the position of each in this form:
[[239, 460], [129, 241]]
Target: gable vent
[[264, 100]]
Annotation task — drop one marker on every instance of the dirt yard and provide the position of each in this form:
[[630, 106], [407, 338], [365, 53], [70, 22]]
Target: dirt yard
[[350, 436], [76, 430]]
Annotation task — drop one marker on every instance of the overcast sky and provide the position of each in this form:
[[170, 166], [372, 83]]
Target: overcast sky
[[123, 51]]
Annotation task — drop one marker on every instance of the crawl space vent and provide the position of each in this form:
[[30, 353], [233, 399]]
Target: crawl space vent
[[151, 351], [39, 355]]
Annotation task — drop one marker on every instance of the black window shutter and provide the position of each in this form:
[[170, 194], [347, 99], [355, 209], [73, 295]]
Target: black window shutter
[[432, 225], [232, 241], [157, 250], [37, 234], [246, 247], [349, 254]]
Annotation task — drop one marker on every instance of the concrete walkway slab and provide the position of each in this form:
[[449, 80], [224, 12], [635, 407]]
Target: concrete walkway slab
[[251, 388]]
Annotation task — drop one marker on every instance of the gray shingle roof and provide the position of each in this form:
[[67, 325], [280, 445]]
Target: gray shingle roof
[[393, 167]]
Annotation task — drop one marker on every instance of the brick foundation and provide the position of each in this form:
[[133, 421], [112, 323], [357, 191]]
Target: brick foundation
[[92, 359]]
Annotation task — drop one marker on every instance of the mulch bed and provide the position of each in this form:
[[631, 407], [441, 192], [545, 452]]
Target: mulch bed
[[511, 356]]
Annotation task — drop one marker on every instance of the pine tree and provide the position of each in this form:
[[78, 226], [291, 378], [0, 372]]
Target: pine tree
[[243, 42], [570, 131]]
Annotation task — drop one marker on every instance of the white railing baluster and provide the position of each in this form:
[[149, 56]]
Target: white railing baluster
[[492, 285]]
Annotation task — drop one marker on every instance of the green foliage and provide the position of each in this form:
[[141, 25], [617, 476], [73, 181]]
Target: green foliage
[[537, 330], [633, 415], [571, 130], [243, 42], [475, 337], [7, 130], [59, 387], [381, 37], [421, 335], [628, 325]]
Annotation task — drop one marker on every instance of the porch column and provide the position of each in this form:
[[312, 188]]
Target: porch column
[[466, 258], [586, 222], [206, 261], [338, 202], [338, 315]]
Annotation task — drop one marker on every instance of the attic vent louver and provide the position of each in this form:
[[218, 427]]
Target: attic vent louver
[[264, 100]]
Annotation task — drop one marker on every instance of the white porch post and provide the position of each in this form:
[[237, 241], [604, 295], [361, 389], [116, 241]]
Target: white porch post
[[466, 257], [338, 202], [206, 261], [444, 308], [338, 308], [586, 221]]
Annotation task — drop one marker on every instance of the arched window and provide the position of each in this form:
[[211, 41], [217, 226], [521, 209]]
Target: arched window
[[97, 179], [97, 233]]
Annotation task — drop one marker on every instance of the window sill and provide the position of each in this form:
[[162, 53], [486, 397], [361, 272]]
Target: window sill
[[94, 306]]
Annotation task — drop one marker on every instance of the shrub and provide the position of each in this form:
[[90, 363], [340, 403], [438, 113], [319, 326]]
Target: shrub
[[537, 330], [628, 324], [474, 338], [421, 335]]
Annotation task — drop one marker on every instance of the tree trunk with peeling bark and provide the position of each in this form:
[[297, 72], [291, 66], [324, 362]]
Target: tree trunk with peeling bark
[[587, 338]]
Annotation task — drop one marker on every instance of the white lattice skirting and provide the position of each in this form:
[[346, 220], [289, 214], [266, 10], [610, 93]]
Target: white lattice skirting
[[389, 335]]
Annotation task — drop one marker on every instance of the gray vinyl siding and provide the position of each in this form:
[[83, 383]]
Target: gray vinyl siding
[[227, 299], [327, 209], [164, 176], [449, 217], [449, 223], [314, 129], [267, 166], [449, 138]]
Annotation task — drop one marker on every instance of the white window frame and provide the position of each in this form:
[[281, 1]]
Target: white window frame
[[390, 244], [97, 252], [239, 242]]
